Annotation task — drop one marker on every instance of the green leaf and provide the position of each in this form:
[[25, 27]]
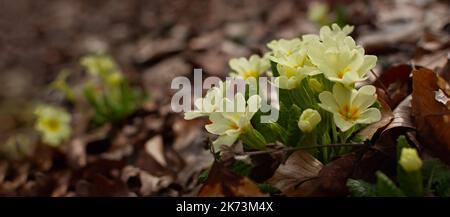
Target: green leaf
[[359, 188], [275, 72], [203, 176], [241, 168], [293, 132], [271, 132], [385, 187], [253, 139], [437, 177], [267, 188]]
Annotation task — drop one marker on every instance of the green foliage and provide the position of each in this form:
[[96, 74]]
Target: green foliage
[[434, 175], [203, 176], [359, 188], [386, 187], [267, 188], [108, 92], [241, 168]]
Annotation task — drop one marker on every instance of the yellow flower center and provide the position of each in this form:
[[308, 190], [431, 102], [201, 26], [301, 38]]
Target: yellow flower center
[[250, 73], [52, 124], [349, 113], [234, 126], [340, 74]]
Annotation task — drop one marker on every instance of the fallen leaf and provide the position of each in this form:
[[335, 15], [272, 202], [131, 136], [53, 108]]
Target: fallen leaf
[[223, 183], [299, 167], [431, 116]]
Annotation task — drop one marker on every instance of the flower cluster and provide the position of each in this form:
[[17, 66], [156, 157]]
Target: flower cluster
[[316, 75]]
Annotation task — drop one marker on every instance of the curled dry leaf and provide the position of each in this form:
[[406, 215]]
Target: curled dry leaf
[[396, 83], [299, 168], [431, 116], [223, 183]]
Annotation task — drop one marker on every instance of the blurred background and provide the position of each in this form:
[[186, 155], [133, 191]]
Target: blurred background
[[152, 42]]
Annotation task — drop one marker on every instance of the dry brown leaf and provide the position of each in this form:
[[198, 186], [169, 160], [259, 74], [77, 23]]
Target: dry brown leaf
[[223, 183], [299, 167], [431, 116]]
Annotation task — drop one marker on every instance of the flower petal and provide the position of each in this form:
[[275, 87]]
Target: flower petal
[[328, 102], [343, 124], [225, 140], [369, 116], [365, 97]]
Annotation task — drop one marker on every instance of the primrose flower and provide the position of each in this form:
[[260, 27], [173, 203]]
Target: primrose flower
[[410, 160], [53, 123], [292, 62], [285, 47], [350, 106], [246, 68], [230, 125], [338, 57], [309, 120], [114, 79], [335, 35], [212, 102], [98, 65]]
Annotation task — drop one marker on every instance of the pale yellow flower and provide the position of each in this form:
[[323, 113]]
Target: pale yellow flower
[[318, 11], [284, 46], [53, 123], [249, 68], [410, 160], [98, 65], [292, 62], [230, 125], [345, 64], [338, 57], [212, 102], [335, 35], [350, 106], [308, 120]]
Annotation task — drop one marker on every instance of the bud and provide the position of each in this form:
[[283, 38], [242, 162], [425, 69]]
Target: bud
[[315, 85], [410, 160], [309, 120]]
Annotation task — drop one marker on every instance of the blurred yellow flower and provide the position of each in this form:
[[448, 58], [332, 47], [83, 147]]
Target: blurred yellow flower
[[410, 160], [53, 123], [98, 65], [309, 120], [350, 106], [249, 68]]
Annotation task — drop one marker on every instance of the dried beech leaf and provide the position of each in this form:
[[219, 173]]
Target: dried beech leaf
[[431, 116], [402, 116], [223, 183], [299, 167]]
